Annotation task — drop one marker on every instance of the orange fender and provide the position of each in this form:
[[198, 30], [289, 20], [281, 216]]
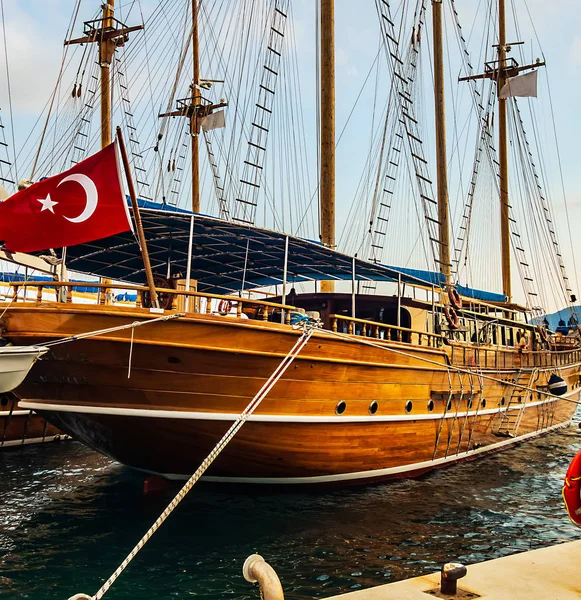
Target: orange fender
[[572, 490]]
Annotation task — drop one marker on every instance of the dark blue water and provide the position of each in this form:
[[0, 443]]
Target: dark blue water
[[68, 517]]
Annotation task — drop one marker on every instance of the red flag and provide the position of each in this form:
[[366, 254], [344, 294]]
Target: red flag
[[82, 204]]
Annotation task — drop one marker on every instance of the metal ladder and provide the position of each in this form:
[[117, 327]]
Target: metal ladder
[[511, 418]]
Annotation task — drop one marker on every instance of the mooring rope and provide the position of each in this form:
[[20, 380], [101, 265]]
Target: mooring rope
[[82, 336], [308, 330]]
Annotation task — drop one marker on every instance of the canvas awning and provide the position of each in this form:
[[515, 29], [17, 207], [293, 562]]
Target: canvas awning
[[219, 255]]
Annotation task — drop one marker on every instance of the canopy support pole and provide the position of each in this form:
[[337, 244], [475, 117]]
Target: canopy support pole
[[189, 263], [245, 265], [399, 300], [284, 276], [353, 289]]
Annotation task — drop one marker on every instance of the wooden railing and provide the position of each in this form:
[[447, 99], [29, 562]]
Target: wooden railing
[[511, 358], [384, 331], [259, 309]]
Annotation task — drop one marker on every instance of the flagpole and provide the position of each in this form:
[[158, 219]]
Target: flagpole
[[141, 235]]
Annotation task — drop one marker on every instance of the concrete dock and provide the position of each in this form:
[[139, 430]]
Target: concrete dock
[[552, 573]]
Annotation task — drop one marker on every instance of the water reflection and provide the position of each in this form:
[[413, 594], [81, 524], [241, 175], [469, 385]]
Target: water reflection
[[69, 516]]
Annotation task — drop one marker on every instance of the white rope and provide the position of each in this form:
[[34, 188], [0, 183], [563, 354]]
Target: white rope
[[130, 354], [82, 336], [269, 383]]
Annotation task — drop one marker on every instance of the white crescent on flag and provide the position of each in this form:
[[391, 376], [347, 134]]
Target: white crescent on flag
[[90, 192]]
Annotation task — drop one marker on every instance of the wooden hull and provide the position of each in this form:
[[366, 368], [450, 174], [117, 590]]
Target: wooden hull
[[190, 378]]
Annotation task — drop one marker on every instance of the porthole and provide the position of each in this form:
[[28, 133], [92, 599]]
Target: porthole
[[408, 406], [373, 408], [430, 406], [340, 408], [449, 406], [483, 403], [502, 401], [4, 400]]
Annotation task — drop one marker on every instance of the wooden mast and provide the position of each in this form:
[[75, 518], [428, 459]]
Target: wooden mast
[[108, 34], [441, 159], [195, 108], [327, 185], [194, 120], [500, 72], [106, 52], [503, 154]]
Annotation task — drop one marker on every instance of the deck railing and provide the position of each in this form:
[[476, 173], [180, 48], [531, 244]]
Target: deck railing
[[384, 331], [500, 358], [257, 309]]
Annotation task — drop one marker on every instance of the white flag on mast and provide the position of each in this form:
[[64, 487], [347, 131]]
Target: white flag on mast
[[215, 120], [522, 85]]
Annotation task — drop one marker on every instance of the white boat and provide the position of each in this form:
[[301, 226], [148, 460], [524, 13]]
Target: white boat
[[15, 363]]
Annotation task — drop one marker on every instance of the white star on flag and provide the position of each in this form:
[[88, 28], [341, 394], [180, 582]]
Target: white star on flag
[[47, 204]]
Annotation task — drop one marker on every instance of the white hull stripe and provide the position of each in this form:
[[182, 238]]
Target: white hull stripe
[[375, 474], [29, 441], [14, 413], [265, 418]]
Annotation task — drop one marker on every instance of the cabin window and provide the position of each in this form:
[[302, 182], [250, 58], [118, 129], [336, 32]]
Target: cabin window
[[494, 335], [469, 403], [340, 408], [483, 404], [408, 406], [449, 405], [503, 333], [502, 401], [430, 406], [373, 408]]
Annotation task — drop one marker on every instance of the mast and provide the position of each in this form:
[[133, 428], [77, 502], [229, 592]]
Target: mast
[[106, 52], [503, 154], [501, 71], [441, 160], [194, 121], [327, 184], [195, 108], [108, 34]]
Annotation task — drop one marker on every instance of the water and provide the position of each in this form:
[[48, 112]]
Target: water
[[68, 517]]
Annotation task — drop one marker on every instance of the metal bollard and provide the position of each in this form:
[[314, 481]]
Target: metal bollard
[[451, 572]]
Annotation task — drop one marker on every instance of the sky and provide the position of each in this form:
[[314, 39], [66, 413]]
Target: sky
[[35, 30]]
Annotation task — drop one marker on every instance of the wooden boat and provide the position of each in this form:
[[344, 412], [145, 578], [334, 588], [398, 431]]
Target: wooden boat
[[389, 385], [20, 426]]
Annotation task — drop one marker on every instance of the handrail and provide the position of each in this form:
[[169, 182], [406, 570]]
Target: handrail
[[436, 337], [142, 288]]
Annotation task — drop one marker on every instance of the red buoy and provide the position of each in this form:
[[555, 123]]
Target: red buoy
[[154, 484], [572, 490]]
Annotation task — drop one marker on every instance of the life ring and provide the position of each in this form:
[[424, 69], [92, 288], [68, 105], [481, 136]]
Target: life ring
[[451, 317], [572, 490], [455, 299], [165, 299], [224, 307]]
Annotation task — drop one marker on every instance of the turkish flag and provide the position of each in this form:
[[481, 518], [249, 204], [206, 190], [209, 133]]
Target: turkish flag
[[82, 204]]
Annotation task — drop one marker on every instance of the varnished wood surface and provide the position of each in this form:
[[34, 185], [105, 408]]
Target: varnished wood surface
[[215, 365]]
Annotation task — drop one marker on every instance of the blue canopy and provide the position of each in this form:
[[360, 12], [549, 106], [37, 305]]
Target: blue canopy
[[219, 261]]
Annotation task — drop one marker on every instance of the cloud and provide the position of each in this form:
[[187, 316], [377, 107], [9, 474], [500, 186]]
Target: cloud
[[575, 52], [33, 63]]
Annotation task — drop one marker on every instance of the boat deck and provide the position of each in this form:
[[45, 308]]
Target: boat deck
[[548, 574]]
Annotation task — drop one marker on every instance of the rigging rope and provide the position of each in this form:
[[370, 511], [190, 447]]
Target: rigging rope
[[308, 330]]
